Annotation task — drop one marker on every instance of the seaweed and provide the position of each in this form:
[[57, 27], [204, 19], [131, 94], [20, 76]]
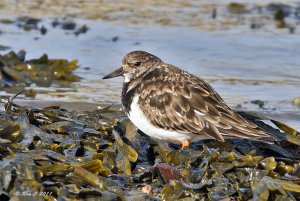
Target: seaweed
[[43, 71], [53, 153]]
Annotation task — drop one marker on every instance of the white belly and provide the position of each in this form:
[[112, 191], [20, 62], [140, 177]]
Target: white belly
[[139, 119]]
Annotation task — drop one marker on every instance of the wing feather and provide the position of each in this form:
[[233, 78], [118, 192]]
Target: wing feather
[[192, 106]]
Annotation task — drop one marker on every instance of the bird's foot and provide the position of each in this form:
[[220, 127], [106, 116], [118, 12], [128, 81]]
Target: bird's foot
[[185, 144]]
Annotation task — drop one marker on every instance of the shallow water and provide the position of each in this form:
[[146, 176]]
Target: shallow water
[[241, 64]]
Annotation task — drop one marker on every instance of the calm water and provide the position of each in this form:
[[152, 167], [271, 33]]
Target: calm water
[[241, 64]]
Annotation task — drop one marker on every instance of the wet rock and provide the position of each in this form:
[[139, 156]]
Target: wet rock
[[28, 23], [260, 103], [275, 7], [168, 172], [68, 25], [55, 23], [43, 30], [2, 48], [115, 38], [214, 13], [81, 30], [236, 8], [6, 21], [280, 12], [279, 18]]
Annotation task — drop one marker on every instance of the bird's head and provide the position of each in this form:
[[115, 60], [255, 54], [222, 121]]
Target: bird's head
[[134, 64]]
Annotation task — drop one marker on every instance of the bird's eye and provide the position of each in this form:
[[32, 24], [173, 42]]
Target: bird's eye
[[138, 63]]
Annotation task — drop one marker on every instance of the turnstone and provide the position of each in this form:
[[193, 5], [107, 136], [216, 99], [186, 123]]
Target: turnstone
[[168, 103]]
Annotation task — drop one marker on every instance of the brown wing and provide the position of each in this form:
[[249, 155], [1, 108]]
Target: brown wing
[[192, 106]]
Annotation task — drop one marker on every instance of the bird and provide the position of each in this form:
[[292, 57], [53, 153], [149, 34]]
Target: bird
[[171, 104]]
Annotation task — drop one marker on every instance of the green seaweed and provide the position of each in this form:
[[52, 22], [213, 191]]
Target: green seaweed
[[126, 154]]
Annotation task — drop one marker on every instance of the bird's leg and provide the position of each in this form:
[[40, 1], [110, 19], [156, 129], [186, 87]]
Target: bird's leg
[[185, 144]]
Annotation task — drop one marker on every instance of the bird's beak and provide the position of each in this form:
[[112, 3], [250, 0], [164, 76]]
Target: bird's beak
[[116, 73]]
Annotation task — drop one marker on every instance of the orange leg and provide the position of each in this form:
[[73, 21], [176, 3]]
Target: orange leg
[[185, 144]]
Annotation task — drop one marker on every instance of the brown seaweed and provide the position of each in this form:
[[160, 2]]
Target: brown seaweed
[[53, 153], [42, 71]]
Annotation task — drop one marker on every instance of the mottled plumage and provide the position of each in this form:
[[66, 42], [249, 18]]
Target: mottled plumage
[[178, 102]]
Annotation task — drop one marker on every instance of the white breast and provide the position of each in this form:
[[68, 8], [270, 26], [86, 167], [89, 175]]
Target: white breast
[[138, 118]]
